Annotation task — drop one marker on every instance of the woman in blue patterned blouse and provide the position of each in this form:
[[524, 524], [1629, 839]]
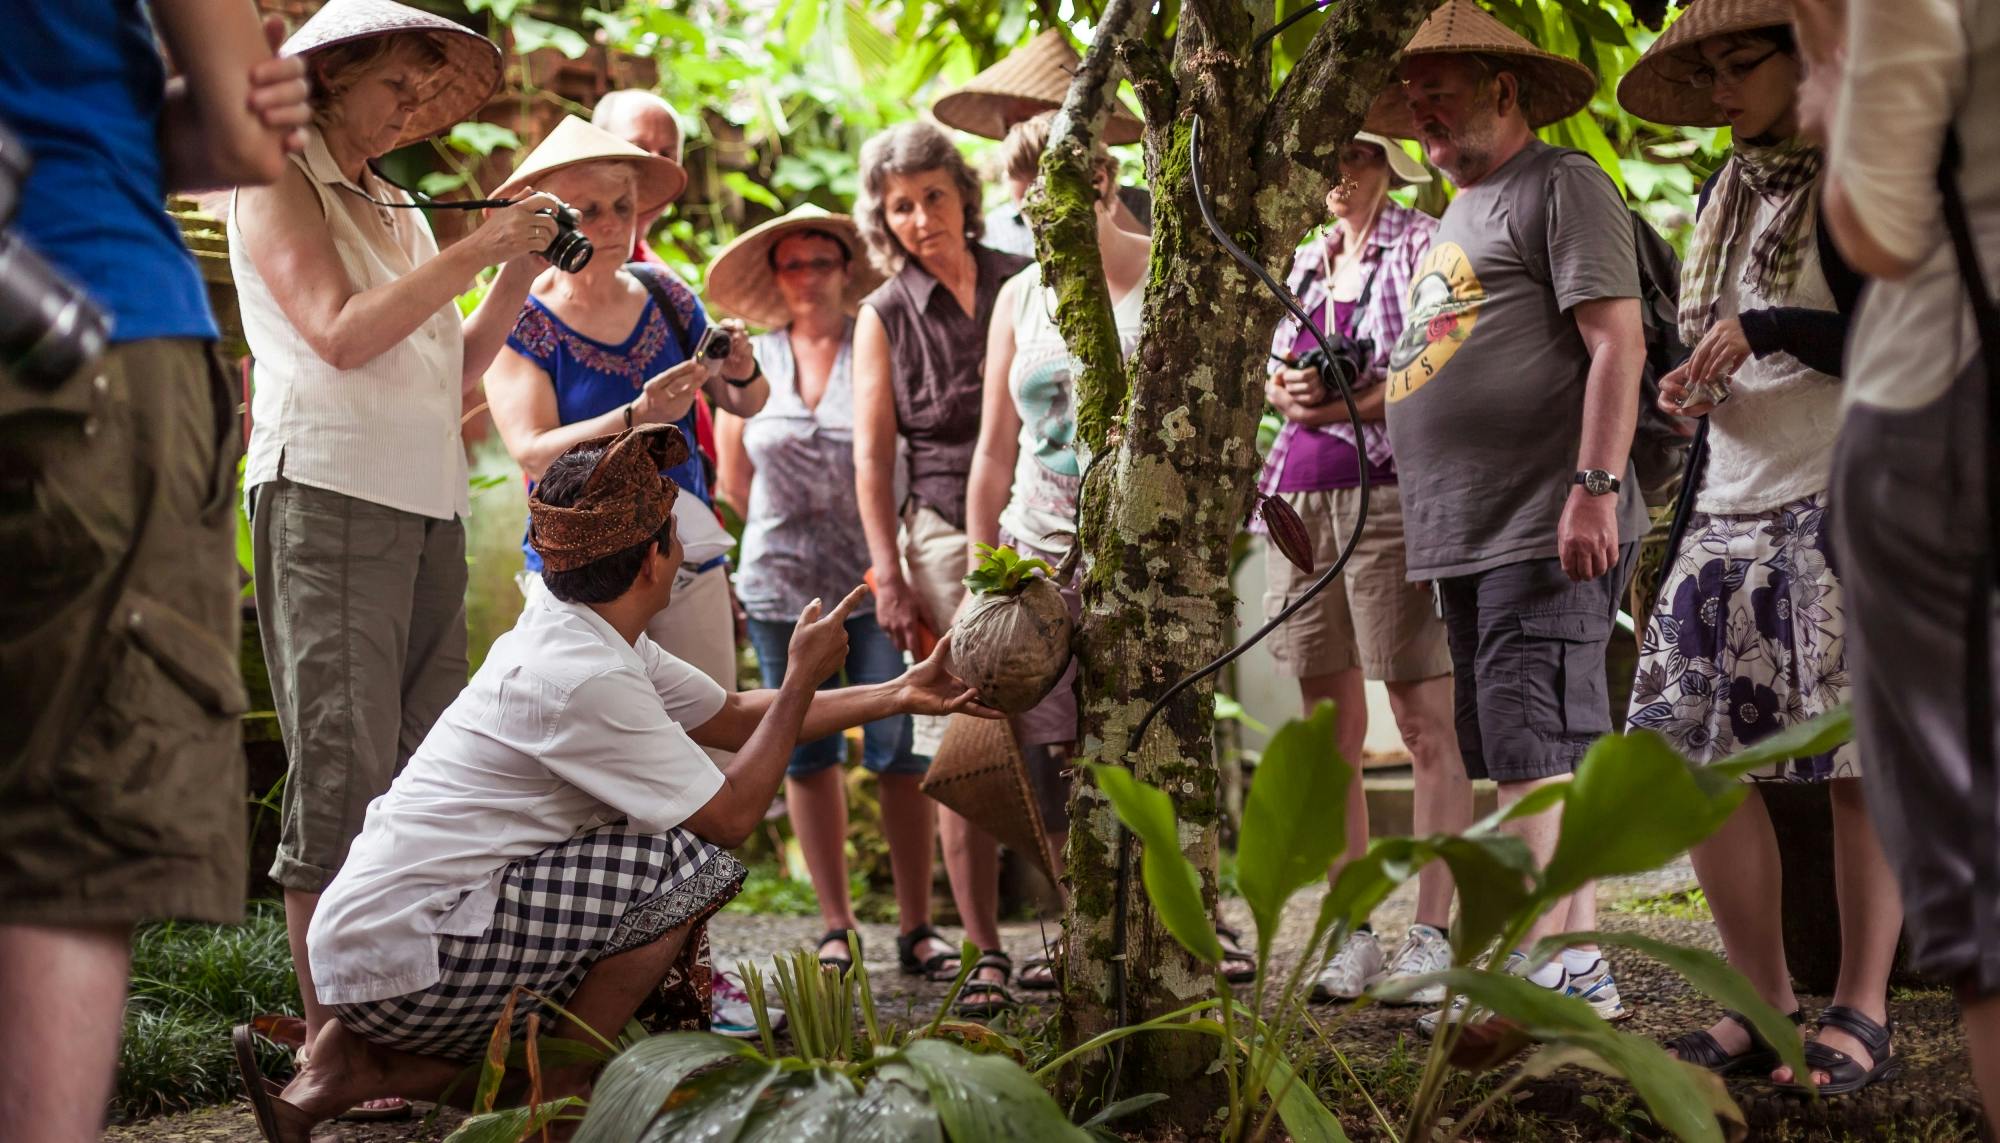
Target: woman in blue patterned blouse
[[609, 346]]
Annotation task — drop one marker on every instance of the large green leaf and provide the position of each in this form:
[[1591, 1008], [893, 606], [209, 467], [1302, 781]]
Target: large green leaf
[[713, 1106], [634, 1086], [1493, 875], [510, 1124], [812, 1104], [894, 1109], [1712, 975], [1170, 878], [1677, 1094], [987, 1099], [1633, 805], [1294, 819], [1305, 1116], [1816, 735]]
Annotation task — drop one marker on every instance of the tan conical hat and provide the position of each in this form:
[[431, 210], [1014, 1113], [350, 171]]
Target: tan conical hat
[[577, 141], [473, 62], [1557, 87], [980, 773], [1660, 86], [740, 280], [1026, 82]]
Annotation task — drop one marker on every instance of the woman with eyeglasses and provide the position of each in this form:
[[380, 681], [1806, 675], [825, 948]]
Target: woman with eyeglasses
[[790, 471], [1748, 636]]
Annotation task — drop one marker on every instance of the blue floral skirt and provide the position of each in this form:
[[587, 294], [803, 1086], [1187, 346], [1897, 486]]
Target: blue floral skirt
[[1748, 637]]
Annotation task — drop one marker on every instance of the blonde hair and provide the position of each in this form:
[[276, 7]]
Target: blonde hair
[[335, 70], [909, 149], [1021, 154]]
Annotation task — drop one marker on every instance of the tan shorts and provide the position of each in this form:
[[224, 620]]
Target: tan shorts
[[121, 757], [934, 564], [1372, 616]]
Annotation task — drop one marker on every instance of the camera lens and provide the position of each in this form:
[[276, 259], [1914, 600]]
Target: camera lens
[[569, 251], [717, 347], [50, 330]]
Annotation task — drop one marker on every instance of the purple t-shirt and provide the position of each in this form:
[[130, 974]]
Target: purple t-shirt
[[1319, 462]]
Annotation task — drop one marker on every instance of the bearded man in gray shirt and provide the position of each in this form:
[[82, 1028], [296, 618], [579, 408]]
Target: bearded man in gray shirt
[[1512, 398]]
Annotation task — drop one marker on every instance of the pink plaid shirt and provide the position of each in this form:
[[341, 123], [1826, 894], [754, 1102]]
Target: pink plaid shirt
[[1401, 238]]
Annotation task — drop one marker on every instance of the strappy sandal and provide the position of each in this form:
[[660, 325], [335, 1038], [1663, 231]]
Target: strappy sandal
[[1844, 1074], [1038, 972], [1703, 1050], [266, 1101], [840, 961], [1233, 951], [983, 999], [932, 967]]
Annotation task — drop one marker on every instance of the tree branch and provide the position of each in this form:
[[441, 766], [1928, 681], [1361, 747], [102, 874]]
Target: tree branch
[[1062, 207], [1152, 81], [1320, 105]]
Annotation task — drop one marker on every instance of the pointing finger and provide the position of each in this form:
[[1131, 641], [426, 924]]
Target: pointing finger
[[848, 605]]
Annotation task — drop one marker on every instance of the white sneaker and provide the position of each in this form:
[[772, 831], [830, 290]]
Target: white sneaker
[[1424, 950], [730, 1013], [1351, 970], [1596, 988], [1517, 965]]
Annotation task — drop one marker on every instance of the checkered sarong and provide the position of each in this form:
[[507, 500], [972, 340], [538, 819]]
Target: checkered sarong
[[600, 893]]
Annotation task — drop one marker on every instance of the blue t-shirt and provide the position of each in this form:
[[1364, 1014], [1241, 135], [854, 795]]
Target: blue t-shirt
[[593, 378], [82, 83]]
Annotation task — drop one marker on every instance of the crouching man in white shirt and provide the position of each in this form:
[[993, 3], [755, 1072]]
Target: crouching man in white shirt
[[561, 829]]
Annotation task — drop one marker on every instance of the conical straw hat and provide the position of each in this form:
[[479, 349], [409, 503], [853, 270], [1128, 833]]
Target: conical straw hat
[[979, 773], [473, 66], [1025, 83], [1660, 88], [1405, 171], [1557, 88], [741, 281], [577, 141]]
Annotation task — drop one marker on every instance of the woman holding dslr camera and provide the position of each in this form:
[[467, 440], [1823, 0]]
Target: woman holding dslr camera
[[356, 477], [610, 346]]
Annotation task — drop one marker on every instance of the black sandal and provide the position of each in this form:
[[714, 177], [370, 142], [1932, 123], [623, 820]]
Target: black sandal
[[1233, 950], [932, 967], [844, 963], [984, 999], [1038, 973], [1704, 1051], [1843, 1073]]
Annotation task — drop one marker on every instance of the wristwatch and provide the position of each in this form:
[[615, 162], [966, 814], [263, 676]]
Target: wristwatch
[[1597, 482], [756, 371]]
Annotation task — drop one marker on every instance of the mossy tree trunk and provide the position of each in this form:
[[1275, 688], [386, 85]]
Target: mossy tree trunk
[[1173, 437]]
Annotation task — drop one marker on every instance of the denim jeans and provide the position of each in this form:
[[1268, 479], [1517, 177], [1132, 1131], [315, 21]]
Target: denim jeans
[[871, 658]]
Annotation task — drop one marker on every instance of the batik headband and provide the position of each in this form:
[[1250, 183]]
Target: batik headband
[[624, 503]]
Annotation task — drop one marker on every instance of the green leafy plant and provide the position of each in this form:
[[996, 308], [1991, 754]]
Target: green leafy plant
[[1633, 805], [848, 1076], [1002, 571]]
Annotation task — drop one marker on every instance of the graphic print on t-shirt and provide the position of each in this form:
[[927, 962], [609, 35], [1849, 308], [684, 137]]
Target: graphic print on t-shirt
[[1444, 305], [1043, 398]]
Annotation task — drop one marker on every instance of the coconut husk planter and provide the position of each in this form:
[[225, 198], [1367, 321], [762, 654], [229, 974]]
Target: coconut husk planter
[[1012, 644]]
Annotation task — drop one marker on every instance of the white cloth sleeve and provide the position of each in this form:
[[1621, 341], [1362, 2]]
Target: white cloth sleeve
[[616, 742], [1904, 77]]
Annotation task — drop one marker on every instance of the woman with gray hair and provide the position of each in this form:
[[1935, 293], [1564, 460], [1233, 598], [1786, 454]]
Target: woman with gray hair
[[919, 364], [356, 476]]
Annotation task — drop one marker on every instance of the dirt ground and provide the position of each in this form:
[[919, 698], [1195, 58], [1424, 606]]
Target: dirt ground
[[1932, 1102]]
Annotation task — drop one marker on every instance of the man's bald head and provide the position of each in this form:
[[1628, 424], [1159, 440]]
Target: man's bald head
[[642, 119]]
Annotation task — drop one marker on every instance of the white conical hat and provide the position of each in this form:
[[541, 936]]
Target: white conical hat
[[577, 141], [740, 280]]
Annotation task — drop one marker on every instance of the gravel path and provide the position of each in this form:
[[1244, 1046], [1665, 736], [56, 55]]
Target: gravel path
[[1932, 1102]]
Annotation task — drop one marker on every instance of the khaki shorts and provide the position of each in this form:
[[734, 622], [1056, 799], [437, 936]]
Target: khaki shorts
[[362, 611], [934, 564], [121, 759], [1372, 616]]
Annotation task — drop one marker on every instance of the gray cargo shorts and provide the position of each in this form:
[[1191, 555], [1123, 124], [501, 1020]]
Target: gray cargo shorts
[[1527, 653]]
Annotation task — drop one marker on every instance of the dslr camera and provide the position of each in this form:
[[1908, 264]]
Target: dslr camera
[[1343, 368], [50, 330], [569, 251]]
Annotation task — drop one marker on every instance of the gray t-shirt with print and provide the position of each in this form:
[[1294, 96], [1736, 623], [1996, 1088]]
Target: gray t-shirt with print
[[1486, 384]]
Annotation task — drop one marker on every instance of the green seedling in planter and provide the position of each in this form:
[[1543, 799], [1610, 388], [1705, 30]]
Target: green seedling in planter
[[1002, 571], [848, 1077], [1633, 805]]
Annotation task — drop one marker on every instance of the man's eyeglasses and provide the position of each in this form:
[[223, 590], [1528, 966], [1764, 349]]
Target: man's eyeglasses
[[1729, 73], [810, 266]]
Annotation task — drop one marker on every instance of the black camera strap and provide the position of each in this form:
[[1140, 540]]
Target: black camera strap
[[423, 201]]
